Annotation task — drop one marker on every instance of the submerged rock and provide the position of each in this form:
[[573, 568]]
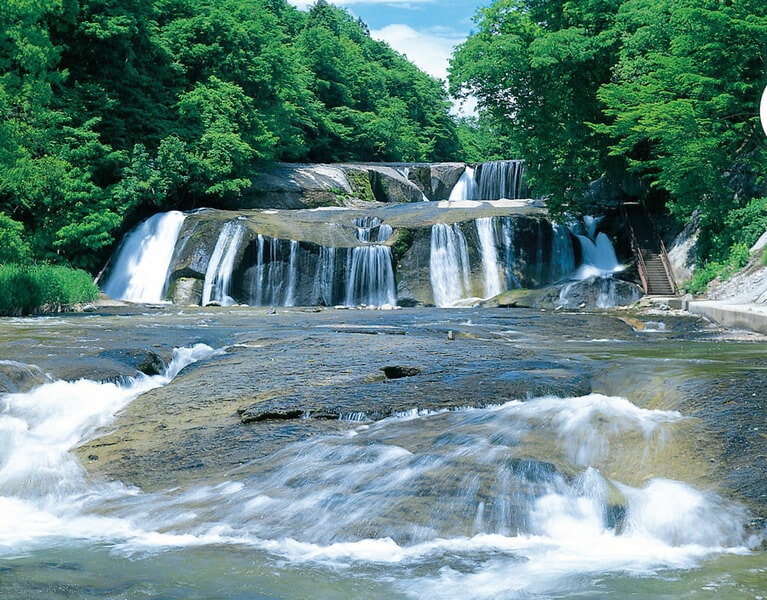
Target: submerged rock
[[19, 377]]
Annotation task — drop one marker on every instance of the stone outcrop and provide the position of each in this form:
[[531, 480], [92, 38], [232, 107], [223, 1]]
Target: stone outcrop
[[296, 186]]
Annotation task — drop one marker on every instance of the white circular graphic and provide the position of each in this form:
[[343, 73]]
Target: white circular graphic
[[763, 110]]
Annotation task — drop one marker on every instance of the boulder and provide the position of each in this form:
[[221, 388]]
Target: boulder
[[682, 252]]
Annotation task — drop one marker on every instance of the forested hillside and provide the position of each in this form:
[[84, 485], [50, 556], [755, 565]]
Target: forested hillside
[[113, 109], [661, 96]]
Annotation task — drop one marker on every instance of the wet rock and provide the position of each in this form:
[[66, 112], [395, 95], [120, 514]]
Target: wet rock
[[186, 291], [444, 176], [256, 413], [143, 361], [19, 377], [398, 371]]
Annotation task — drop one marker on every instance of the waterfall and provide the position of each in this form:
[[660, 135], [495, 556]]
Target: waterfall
[[464, 188], [449, 264], [512, 279], [323, 291], [371, 277], [370, 271], [273, 279], [593, 282], [290, 293], [562, 255], [218, 276], [500, 179], [372, 229], [490, 271], [598, 257], [355, 276], [491, 181], [140, 271]]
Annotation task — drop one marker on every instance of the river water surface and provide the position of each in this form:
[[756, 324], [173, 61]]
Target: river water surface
[[531, 456]]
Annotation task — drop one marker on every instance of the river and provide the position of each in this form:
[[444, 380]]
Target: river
[[417, 453]]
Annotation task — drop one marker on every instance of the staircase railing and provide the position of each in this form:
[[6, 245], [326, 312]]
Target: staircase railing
[[637, 250], [663, 253]]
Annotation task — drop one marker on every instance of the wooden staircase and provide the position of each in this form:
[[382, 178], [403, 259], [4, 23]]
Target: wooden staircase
[[649, 252]]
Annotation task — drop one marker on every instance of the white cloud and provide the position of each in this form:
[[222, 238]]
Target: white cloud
[[430, 51]]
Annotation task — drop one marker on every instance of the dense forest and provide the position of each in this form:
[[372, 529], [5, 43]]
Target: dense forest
[[113, 109], [657, 98]]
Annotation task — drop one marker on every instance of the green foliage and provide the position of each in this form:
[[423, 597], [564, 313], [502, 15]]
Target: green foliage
[[26, 289], [111, 110], [536, 68], [736, 259], [13, 247], [659, 92]]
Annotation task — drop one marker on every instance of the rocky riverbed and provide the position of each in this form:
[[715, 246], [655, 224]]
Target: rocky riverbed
[[290, 374]]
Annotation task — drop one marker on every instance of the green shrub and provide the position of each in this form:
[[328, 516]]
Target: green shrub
[[737, 258], [26, 289], [13, 247]]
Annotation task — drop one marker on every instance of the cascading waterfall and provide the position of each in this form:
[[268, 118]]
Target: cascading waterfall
[[353, 276], [490, 267], [324, 288], [290, 293], [562, 261], [272, 277], [512, 279], [598, 256], [449, 268], [597, 250], [218, 277], [372, 229], [464, 188], [371, 272], [491, 181], [597, 269], [140, 270], [451, 271], [371, 277]]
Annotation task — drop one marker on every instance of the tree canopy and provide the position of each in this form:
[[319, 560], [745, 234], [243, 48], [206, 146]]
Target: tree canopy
[[661, 92], [112, 109]]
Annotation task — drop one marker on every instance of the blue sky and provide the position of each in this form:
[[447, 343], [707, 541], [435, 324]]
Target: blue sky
[[426, 31]]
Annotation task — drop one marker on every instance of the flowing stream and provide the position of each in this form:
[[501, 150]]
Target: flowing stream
[[550, 497]]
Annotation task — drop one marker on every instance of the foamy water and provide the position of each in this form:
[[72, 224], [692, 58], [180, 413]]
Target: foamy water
[[509, 501]]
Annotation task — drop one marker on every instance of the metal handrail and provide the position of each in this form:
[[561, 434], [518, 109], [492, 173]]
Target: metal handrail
[[637, 250], [663, 253]]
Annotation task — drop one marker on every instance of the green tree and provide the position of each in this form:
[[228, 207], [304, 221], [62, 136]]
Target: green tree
[[535, 68], [681, 105]]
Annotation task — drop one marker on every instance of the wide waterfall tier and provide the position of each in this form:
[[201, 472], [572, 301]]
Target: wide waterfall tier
[[426, 253], [491, 181]]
